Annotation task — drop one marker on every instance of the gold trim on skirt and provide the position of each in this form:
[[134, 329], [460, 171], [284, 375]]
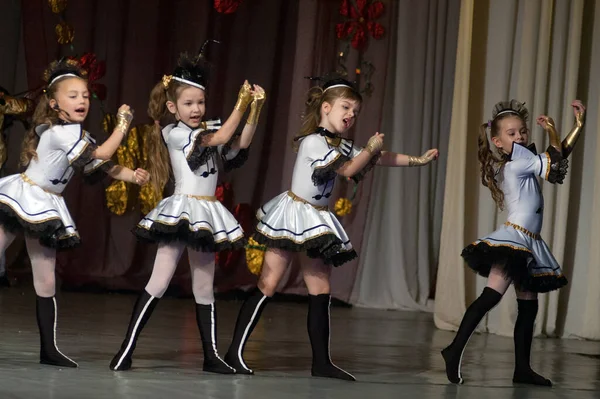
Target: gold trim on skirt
[[533, 235], [26, 179], [300, 199]]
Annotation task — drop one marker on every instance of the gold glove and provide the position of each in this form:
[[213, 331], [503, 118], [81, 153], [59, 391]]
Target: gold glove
[[569, 142], [374, 145], [423, 159], [244, 97], [124, 119], [553, 134], [255, 107]]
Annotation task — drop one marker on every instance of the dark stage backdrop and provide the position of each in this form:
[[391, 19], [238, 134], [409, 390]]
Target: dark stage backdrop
[[274, 43]]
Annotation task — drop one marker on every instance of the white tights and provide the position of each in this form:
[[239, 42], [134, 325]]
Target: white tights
[[500, 283], [43, 262], [202, 265]]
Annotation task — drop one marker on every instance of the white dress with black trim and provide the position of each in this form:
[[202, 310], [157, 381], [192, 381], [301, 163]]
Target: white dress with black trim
[[193, 215], [299, 220], [517, 246], [32, 202]]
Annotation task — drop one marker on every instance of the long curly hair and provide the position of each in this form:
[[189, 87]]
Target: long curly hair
[[159, 165], [43, 113], [489, 161]]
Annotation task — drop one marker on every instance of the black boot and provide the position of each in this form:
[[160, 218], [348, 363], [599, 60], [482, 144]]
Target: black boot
[[142, 311], [46, 311], [246, 321], [206, 317], [318, 323], [453, 353], [523, 336]]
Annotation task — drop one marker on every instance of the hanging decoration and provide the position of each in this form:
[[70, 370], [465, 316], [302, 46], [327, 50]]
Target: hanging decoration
[[255, 256], [363, 73], [57, 6], [227, 6], [343, 207], [147, 196], [224, 194], [95, 70], [65, 34], [361, 22], [121, 196], [361, 15]]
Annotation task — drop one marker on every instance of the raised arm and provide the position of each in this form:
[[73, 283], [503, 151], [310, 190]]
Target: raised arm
[[569, 142], [226, 132], [243, 141], [108, 148]]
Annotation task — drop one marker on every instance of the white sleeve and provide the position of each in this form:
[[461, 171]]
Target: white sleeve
[[324, 160], [190, 142], [71, 140], [549, 165]]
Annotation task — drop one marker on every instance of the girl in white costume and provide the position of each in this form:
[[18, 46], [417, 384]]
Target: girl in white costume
[[515, 253], [31, 202], [192, 217], [299, 220]]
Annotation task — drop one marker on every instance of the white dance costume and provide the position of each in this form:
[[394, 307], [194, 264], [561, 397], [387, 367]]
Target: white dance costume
[[32, 201], [299, 220], [517, 246], [193, 214]]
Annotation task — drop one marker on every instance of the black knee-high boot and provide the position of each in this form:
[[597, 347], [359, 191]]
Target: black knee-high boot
[[46, 311], [318, 323], [206, 317], [247, 318], [523, 337], [453, 353], [142, 311]]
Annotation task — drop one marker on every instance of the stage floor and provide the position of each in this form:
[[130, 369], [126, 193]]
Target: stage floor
[[392, 354]]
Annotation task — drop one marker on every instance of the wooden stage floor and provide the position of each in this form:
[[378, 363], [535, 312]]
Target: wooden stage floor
[[392, 354]]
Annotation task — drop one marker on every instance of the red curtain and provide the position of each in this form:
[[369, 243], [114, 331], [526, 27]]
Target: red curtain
[[269, 42]]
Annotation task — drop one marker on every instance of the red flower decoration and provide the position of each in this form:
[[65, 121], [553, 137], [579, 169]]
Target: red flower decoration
[[227, 6], [95, 70], [224, 194], [362, 21]]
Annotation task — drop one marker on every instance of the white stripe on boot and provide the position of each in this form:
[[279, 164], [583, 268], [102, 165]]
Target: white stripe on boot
[[245, 335], [134, 332]]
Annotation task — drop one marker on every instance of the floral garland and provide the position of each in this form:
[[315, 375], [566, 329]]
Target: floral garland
[[360, 21]]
